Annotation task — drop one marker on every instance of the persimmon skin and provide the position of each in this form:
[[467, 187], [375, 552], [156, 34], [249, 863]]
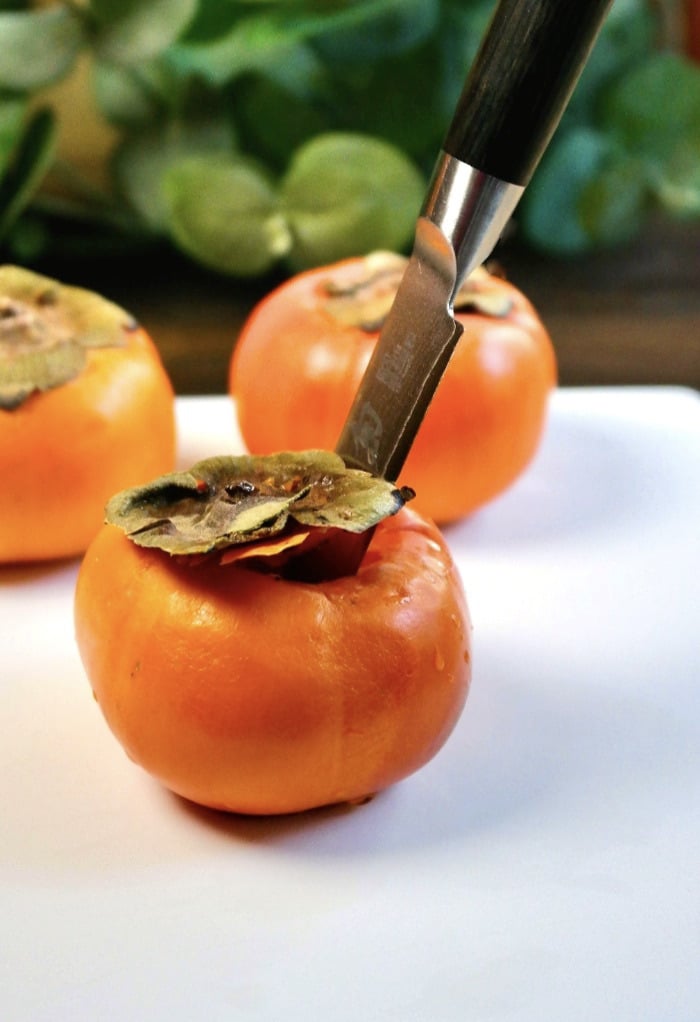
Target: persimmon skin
[[65, 451], [245, 692], [294, 372]]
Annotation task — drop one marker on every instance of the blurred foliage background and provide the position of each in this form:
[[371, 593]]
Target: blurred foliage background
[[259, 135]]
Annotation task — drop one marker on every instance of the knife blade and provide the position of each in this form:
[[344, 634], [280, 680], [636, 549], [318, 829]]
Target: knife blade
[[526, 68]]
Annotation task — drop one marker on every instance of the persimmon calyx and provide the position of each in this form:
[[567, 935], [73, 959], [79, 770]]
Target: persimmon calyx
[[46, 329], [365, 301], [270, 501]]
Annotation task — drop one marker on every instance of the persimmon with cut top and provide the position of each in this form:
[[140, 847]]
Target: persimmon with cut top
[[300, 356], [233, 669], [86, 409]]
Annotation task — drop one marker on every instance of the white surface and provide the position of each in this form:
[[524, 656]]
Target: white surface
[[543, 867]]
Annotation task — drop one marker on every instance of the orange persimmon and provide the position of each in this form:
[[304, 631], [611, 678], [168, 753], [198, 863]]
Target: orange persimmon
[[248, 692], [299, 358], [67, 445]]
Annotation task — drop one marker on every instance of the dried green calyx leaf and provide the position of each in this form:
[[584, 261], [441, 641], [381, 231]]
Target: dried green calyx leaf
[[226, 501], [365, 301], [46, 328], [476, 296]]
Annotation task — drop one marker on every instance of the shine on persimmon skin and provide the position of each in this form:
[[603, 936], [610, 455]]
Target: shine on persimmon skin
[[246, 692], [295, 369], [65, 451]]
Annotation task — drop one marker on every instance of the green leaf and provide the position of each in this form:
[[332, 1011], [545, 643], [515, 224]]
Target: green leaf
[[257, 43], [273, 120], [549, 214], [27, 239], [655, 106], [372, 30], [299, 71], [346, 194], [224, 213], [612, 204], [588, 192], [129, 31], [627, 37], [214, 19], [27, 167], [269, 40], [12, 112], [38, 47], [676, 184], [654, 112], [144, 158], [407, 100], [128, 97]]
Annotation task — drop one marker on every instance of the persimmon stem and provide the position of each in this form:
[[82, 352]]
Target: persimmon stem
[[338, 555]]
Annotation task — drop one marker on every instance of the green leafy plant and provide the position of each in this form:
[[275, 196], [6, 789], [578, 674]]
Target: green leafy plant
[[255, 135]]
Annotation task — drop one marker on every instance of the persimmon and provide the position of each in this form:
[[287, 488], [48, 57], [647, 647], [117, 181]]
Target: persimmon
[[258, 690], [299, 358], [86, 409]]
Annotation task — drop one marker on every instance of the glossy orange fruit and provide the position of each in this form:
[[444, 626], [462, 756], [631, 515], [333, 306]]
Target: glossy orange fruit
[[65, 450], [248, 692], [300, 356]]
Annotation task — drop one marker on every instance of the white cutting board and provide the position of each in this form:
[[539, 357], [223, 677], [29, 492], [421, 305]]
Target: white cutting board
[[543, 868]]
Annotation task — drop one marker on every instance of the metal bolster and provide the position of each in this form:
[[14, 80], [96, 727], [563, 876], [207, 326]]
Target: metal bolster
[[471, 209]]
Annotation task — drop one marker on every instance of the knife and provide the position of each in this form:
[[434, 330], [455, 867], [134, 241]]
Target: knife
[[528, 63]]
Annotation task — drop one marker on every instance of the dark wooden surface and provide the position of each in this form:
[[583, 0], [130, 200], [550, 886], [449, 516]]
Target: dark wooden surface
[[628, 316]]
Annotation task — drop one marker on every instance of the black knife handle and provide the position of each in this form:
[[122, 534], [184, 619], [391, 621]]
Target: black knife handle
[[520, 83]]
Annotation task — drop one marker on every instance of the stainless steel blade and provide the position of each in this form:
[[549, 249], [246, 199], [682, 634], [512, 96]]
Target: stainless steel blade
[[416, 343]]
